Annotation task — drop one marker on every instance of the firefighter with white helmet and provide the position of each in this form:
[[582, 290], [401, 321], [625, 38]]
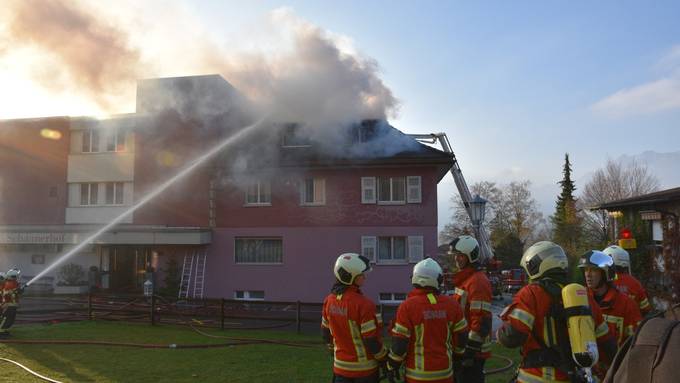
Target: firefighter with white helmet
[[350, 326], [10, 299], [559, 328], [430, 329], [619, 310], [624, 281], [473, 293]]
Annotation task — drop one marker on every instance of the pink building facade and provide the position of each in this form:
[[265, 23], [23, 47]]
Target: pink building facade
[[269, 228]]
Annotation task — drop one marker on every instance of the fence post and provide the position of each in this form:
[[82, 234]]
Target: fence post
[[89, 306], [298, 317], [222, 313], [153, 309]]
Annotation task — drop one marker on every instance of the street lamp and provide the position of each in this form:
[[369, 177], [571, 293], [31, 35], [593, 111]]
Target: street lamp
[[477, 210]]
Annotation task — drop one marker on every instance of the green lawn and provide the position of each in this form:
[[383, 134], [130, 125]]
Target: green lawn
[[86, 363]]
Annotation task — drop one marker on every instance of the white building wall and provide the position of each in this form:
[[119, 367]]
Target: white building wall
[[21, 257]]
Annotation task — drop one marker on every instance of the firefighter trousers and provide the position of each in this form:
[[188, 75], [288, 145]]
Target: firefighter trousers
[[364, 379], [471, 374], [7, 319]]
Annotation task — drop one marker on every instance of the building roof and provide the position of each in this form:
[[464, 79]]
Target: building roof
[[645, 199]]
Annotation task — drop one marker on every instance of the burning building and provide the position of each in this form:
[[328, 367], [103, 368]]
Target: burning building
[[263, 219]]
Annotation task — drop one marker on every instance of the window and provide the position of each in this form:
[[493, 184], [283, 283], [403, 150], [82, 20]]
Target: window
[[115, 140], [391, 190], [391, 248], [292, 137], [259, 250], [249, 295], [88, 194], [90, 141], [38, 259], [392, 297], [396, 249], [259, 193], [367, 189], [313, 191], [114, 193]]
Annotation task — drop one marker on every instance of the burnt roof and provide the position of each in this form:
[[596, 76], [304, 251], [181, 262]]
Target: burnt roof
[[667, 195]]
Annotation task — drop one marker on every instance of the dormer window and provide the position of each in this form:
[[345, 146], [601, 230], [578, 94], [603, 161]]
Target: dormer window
[[293, 137]]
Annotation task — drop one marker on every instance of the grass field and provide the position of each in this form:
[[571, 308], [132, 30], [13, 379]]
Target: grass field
[[88, 363]]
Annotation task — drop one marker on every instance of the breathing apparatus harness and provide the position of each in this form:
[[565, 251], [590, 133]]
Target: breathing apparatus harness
[[560, 353]]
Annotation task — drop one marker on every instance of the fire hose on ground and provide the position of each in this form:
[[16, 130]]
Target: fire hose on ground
[[30, 371]]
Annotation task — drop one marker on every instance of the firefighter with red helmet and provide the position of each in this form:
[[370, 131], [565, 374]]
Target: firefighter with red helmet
[[473, 293], [619, 311], [429, 331], [624, 281], [350, 326], [10, 301], [540, 321]]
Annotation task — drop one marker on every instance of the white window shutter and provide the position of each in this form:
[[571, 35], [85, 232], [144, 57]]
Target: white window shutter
[[319, 190], [367, 189], [415, 248], [413, 189], [369, 247]]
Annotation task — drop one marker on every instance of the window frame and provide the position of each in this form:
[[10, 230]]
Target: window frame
[[392, 260], [90, 187], [247, 295], [393, 298], [391, 201], [315, 182], [118, 189], [414, 249], [237, 262], [92, 141], [114, 137], [259, 194]]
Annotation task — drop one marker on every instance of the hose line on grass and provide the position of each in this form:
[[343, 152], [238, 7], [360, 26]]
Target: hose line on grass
[[500, 369], [270, 341], [30, 371]]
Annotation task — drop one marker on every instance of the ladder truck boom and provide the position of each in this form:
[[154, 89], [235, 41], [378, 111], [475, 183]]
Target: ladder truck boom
[[461, 185]]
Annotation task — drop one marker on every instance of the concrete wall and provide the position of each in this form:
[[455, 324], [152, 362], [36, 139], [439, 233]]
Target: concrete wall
[[13, 257]]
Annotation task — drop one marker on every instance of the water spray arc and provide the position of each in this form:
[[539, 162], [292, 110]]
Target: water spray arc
[[188, 169]]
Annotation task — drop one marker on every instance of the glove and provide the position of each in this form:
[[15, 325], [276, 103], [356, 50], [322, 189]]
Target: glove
[[330, 348]]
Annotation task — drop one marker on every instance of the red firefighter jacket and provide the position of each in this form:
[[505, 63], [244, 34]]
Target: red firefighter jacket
[[473, 293], [630, 286], [528, 314], [351, 317], [10, 289], [620, 312], [431, 324]]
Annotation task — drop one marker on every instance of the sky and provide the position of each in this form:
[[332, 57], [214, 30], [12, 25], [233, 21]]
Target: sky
[[514, 85]]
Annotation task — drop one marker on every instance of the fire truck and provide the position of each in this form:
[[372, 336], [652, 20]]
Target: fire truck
[[512, 280]]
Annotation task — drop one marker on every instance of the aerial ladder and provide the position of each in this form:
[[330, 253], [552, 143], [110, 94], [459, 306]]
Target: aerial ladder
[[480, 232]]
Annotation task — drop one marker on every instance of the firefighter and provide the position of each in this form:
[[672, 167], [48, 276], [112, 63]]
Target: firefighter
[[350, 326], [536, 320], [430, 329], [2, 296], [473, 293], [619, 311], [10, 296], [624, 281]]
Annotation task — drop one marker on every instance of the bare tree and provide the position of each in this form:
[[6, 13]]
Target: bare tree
[[616, 180], [460, 220]]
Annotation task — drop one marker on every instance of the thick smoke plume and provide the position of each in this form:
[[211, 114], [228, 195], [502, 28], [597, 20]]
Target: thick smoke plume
[[72, 49], [298, 73]]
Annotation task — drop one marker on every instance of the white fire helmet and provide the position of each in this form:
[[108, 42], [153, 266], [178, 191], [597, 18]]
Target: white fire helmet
[[350, 265], [13, 274], [427, 273], [542, 257], [620, 256], [467, 245], [2, 276]]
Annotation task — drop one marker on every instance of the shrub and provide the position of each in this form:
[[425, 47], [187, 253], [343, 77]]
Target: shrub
[[71, 275]]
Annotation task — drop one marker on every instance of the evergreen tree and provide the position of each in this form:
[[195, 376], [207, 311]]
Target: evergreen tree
[[566, 221]]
